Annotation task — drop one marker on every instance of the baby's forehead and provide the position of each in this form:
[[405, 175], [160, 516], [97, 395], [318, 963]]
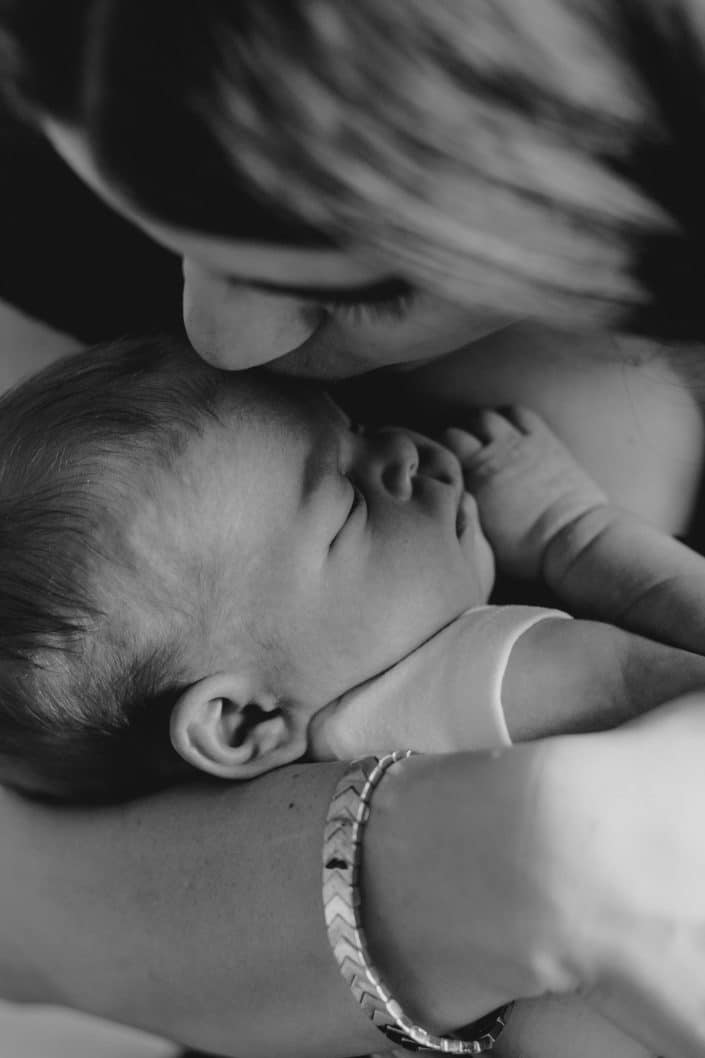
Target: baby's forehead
[[283, 403], [265, 432]]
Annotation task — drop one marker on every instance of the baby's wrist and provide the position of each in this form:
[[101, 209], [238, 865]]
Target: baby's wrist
[[570, 539]]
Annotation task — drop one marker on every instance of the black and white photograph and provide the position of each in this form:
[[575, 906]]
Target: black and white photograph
[[352, 528]]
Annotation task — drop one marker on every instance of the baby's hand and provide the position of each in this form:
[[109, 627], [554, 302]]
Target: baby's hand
[[527, 485]]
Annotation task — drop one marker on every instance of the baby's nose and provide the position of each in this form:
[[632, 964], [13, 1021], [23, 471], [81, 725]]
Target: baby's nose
[[401, 464]]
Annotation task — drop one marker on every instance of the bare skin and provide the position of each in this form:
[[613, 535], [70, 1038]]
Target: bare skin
[[526, 483], [62, 914], [546, 518]]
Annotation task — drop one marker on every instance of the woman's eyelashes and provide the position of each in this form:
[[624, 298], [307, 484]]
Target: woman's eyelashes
[[393, 308]]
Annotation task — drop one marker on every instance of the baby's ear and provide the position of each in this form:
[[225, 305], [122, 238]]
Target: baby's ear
[[227, 726]]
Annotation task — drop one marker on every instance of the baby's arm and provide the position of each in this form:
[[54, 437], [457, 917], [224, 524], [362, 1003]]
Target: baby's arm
[[504, 674], [544, 516], [609, 564], [572, 676]]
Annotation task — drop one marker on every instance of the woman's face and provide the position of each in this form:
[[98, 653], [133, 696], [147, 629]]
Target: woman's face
[[327, 313]]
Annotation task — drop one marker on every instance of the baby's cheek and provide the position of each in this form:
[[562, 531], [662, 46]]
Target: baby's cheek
[[331, 661]]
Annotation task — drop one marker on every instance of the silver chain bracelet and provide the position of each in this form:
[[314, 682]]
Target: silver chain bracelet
[[342, 849]]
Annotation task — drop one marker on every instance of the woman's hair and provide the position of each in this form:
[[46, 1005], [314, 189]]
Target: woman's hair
[[542, 155], [85, 697]]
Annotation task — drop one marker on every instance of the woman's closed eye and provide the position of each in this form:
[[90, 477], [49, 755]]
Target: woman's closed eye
[[394, 307]]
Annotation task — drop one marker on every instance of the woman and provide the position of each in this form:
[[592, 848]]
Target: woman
[[500, 161], [608, 256]]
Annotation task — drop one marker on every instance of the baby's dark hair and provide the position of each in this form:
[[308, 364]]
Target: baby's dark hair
[[84, 706]]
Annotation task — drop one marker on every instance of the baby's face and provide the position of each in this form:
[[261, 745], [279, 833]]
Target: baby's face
[[343, 550]]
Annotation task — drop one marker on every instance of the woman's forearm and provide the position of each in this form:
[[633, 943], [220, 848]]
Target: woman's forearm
[[197, 914], [571, 863]]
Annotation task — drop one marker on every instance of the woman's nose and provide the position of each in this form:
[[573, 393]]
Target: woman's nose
[[400, 463], [233, 326]]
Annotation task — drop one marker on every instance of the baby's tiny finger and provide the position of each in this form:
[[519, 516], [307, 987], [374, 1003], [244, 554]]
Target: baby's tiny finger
[[492, 425], [525, 419], [464, 445]]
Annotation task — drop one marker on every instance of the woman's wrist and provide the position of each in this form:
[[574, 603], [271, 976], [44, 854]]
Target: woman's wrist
[[467, 901]]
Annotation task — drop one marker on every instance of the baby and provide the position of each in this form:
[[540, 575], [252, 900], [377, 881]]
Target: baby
[[197, 568]]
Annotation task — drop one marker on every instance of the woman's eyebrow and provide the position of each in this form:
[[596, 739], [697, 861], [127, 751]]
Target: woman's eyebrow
[[380, 290]]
